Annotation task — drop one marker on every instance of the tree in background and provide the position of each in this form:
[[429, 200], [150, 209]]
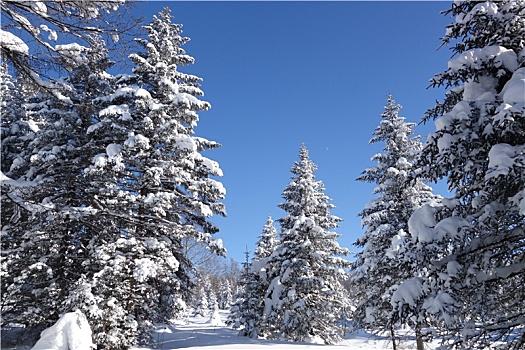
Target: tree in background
[[201, 257], [305, 297], [221, 279], [265, 246], [379, 268], [243, 311], [248, 310], [225, 294], [474, 287], [201, 297], [267, 242]]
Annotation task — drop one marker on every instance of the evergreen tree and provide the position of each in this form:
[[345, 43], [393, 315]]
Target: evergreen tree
[[201, 302], [248, 313], [305, 296], [379, 268], [153, 185], [474, 286], [119, 181], [55, 214], [265, 246], [213, 304], [225, 295], [16, 131], [267, 241], [15, 135], [243, 312]]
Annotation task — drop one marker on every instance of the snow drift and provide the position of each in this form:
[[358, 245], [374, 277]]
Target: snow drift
[[70, 332]]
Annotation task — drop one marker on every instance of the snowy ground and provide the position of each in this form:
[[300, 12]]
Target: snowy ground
[[201, 333]]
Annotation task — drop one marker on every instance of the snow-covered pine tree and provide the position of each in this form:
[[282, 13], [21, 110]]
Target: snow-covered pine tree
[[267, 242], [248, 313], [265, 246], [201, 301], [157, 187], [213, 304], [242, 312], [159, 151], [15, 128], [15, 136], [102, 289], [379, 268], [305, 297], [225, 294], [56, 215], [476, 285]]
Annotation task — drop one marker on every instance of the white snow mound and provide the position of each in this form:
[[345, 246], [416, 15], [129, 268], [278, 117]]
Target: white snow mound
[[70, 332]]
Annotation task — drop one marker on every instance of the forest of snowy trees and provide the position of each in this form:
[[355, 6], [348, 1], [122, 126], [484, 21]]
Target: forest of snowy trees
[[107, 199]]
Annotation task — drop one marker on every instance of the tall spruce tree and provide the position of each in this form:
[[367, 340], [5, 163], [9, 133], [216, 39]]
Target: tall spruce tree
[[474, 287], [305, 297], [117, 181], [154, 187], [379, 268]]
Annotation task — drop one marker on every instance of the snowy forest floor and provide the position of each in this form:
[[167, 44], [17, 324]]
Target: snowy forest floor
[[196, 332]]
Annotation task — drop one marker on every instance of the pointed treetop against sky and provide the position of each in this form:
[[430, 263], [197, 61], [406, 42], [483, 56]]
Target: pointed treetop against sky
[[305, 271], [304, 196], [267, 240], [377, 269]]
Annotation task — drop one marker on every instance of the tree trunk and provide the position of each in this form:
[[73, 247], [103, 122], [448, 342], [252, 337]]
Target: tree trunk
[[419, 338], [393, 336]]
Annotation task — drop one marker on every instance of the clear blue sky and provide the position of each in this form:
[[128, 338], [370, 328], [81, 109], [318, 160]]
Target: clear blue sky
[[281, 73]]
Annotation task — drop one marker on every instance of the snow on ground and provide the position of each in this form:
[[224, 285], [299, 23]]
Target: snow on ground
[[205, 333], [71, 332], [200, 333]]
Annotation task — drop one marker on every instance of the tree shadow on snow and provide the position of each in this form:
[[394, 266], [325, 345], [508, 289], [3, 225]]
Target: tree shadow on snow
[[180, 337]]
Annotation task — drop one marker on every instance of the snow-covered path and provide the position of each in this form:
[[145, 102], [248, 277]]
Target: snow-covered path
[[199, 333]]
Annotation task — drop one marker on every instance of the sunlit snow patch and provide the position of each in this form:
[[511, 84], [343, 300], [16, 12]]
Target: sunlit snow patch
[[13, 43], [70, 332]]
